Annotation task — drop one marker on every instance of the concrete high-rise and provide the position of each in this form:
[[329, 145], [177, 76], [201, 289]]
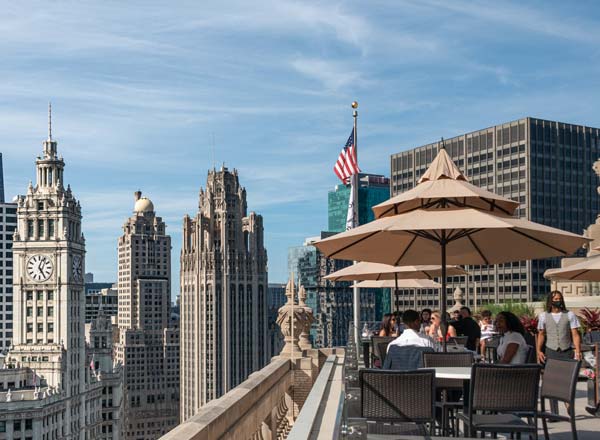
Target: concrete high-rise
[[145, 345], [545, 165], [62, 398], [224, 285], [8, 224]]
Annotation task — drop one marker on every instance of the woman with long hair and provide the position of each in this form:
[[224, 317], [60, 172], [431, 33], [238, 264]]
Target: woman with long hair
[[559, 329], [435, 328], [513, 348], [388, 325]]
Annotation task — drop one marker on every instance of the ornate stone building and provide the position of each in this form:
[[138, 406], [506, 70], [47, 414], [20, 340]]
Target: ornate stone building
[[146, 339], [99, 335], [223, 293], [57, 397]]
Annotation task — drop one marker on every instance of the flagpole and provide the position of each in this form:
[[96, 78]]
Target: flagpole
[[354, 195]]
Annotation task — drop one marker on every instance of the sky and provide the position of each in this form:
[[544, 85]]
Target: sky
[[150, 95]]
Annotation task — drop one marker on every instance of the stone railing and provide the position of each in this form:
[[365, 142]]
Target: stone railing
[[267, 405]]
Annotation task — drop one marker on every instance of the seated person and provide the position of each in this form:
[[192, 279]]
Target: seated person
[[469, 328], [388, 325], [488, 330], [513, 348], [435, 329], [405, 352]]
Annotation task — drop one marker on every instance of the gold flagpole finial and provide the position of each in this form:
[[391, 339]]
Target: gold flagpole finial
[[354, 104]]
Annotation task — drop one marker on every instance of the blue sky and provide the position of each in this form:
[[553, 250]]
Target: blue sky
[[139, 89]]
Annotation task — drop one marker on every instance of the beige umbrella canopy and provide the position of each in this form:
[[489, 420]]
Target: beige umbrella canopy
[[468, 236], [587, 270], [443, 185], [446, 232], [376, 271], [402, 284]]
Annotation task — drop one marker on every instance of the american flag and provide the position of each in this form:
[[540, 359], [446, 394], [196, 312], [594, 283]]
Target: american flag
[[347, 164]]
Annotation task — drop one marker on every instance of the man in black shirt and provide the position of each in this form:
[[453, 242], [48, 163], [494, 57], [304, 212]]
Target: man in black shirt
[[468, 327]]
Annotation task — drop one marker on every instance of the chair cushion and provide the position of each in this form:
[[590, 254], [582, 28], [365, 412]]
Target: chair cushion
[[498, 422]]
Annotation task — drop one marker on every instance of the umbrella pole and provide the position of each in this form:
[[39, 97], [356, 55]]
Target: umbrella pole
[[396, 294], [443, 294]]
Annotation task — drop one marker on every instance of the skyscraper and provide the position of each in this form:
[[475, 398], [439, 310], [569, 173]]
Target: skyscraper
[[223, 293], [8, 224], [545, 165], [151, 366], [48, 343]]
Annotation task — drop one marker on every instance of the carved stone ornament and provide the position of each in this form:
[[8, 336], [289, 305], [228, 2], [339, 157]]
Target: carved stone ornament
[[290, 320], [307, 320]]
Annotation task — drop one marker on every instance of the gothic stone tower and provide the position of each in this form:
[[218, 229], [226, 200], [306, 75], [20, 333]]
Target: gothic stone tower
[[223, 293], [49, 303]]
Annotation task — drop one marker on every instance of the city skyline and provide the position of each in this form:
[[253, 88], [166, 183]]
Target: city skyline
[[126, 96]]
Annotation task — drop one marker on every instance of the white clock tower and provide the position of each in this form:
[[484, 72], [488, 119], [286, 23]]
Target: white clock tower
[[49, 301]]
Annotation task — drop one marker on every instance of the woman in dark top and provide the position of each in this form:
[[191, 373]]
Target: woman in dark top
[[388, 325]]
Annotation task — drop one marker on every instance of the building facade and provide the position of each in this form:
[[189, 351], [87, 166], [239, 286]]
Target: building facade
[[60, 399], [8, 224], [105, 301], [100, 335], [545, 165], [331, 302], [144, 346], [276, 299], [372, 190], [224, 324]]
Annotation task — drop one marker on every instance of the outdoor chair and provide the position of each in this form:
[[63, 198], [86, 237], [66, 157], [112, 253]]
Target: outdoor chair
[[491, 349], [591, 337], [406, 357], [499, 392], [448, 388], [379, 348], [458, 340], [559, 384], [531, 357], [397, 400]]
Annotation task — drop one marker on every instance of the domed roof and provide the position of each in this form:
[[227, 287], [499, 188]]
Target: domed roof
[[143, 205]]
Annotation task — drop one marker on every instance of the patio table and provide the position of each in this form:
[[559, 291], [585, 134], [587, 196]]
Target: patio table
[[459, 373]]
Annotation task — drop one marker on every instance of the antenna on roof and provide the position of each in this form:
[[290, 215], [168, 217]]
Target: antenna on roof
[[49, 121]]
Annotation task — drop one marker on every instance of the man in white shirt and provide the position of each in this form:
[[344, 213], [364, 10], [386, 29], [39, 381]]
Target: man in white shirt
[[411, 336]]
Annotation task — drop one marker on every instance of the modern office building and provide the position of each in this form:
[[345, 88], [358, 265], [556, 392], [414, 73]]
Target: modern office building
[[224, 328], [545, 165], [372, 190], [105, 301], [8, 224], [331, 302], [58, 396], [145, 343], [276, 299]]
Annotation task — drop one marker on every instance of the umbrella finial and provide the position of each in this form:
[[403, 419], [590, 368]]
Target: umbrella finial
[[442, 144]]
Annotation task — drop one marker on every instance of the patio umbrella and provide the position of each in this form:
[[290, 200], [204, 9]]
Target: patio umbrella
[[413, 284], [376, 271], [445, 233], [444, 185], [586, 270]]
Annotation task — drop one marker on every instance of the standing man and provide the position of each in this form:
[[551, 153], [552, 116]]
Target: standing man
[[559, 328]]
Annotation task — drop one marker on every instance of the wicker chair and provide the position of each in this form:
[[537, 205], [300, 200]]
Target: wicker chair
[[379, 348], [559, 383], [531, 357], [398, 399], [501, 391], [459, 359], [491, 349]]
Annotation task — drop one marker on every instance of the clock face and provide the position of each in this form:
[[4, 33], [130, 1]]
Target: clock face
[[77, 267], [39, 267]]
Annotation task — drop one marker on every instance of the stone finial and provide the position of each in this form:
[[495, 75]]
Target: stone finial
[[9, 396], [307, 320], [289, 320], [458, 300]]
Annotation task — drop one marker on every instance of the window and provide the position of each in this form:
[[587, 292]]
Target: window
[[30, 228], [2, 426], [50, 228], [40, 311], [50, 295], [50, 327], [17, 425], [29, 311], [50, 311], [40, 327], [40, 228], [29, 296], [28, 423], [40, 295], [29, 327]]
